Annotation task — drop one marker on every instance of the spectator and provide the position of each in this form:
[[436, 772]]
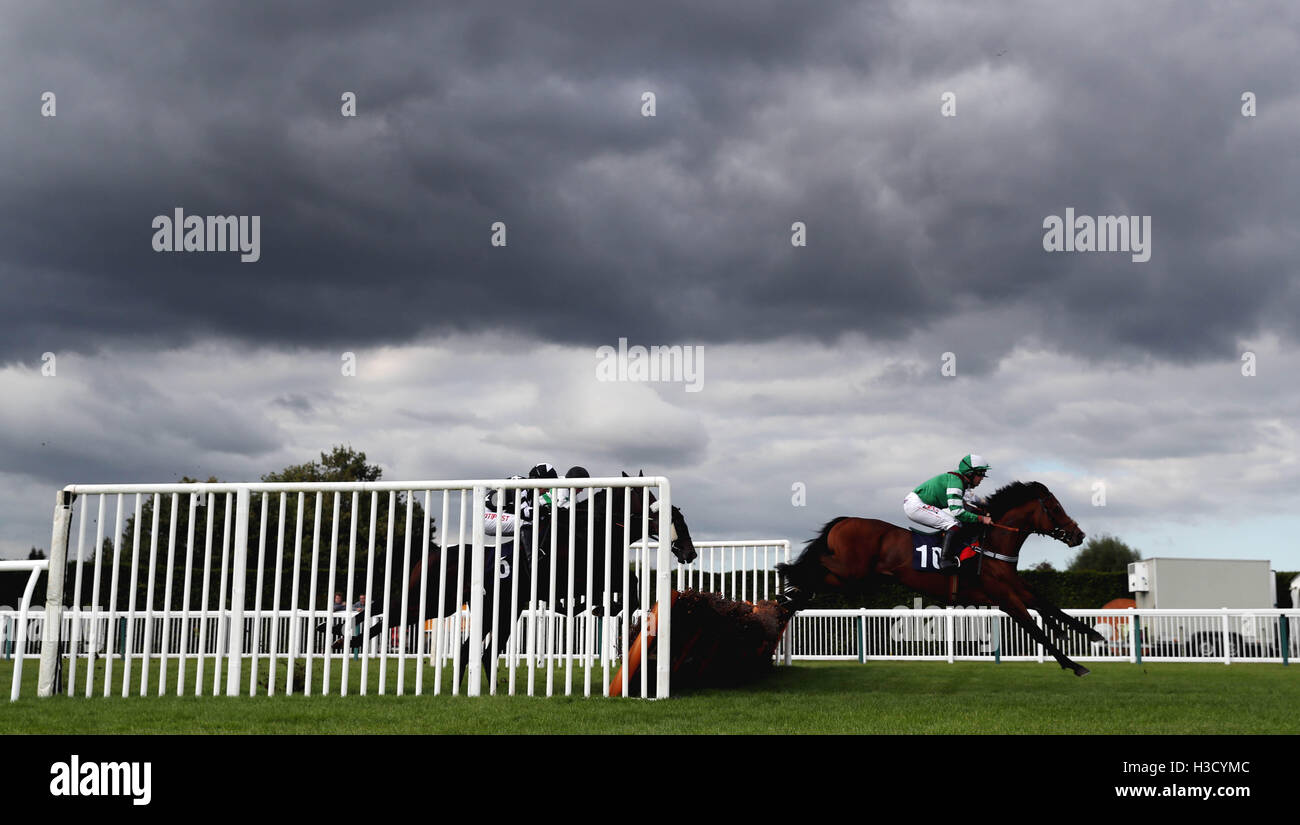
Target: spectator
[[338, 602]]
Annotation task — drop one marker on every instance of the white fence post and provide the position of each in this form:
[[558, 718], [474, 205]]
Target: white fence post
[[1227, 642], [475, 671], [948, 628], [235, 650], [1134, 640], [665, 590], [54, 594]]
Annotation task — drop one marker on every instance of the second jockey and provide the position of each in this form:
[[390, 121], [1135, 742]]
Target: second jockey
[[500, 514], [944, 503]]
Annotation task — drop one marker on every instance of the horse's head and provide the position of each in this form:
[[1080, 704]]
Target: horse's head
[[1031, 506], [1062, 527], [682, 546]]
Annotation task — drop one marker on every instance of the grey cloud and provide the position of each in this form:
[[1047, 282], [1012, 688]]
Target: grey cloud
[[375, 230]]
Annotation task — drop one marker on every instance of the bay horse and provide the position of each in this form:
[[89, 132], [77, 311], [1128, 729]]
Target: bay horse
[[850, 553], [518, 558]]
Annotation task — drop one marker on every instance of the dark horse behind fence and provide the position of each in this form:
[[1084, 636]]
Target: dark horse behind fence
[[517, 569], [852, 552]]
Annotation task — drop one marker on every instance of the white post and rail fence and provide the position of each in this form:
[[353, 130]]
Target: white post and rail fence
[[146, 611], [150, 610]]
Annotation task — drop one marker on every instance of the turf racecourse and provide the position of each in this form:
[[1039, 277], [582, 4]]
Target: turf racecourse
[[808, 698]]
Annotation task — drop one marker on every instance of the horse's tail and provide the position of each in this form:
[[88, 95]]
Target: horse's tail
[[805, 572]]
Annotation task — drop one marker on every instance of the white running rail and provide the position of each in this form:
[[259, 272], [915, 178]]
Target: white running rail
[[141, 608]]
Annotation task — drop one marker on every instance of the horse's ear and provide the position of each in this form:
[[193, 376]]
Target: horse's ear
[[641, 474], [624, 472]]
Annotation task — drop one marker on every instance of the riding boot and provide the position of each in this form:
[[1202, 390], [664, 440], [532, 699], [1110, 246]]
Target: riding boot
[[952, 544]]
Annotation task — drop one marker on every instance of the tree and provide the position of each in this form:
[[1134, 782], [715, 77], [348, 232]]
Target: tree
[[36, 554], [1104, 554], [340, 464]]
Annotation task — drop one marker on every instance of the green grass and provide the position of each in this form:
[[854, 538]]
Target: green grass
[[878, 697]]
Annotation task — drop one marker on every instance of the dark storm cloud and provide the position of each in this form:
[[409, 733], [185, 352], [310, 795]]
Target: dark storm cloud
[[675, 228]]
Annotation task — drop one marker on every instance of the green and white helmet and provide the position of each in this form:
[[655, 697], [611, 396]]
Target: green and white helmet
[[972, 463]]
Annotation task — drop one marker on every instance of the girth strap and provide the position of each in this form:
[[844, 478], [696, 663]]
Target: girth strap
[[998, 556]]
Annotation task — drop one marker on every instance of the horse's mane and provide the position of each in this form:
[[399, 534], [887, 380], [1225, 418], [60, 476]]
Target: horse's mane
[[1013, 495]]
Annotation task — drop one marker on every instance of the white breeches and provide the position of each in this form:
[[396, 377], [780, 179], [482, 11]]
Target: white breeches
[[490, 524], [926, 515]]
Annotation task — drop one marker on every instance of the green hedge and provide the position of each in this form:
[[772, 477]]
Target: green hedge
[[1077, 590]]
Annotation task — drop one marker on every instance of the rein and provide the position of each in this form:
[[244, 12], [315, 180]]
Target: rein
[[1005, 527], [999, 556], [1056, 533]]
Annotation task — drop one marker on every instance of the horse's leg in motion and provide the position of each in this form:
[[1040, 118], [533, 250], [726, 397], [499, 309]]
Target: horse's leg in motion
[[1019, 614], [1054, 626], [1060, 622], [1054, 614]]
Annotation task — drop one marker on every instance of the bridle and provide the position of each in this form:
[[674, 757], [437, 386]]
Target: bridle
[[1057, 532], [672, 523]]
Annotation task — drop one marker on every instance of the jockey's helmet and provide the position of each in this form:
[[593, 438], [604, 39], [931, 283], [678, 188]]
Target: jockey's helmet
[[972, 464], [543, 470], [508, 499]]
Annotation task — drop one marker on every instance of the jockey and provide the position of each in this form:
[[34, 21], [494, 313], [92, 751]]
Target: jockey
[[541, 496], [503, 511], [577, 472], [537, 503], [945, 503]]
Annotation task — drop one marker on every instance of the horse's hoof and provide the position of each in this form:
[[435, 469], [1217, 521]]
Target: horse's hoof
[[1080, 670]]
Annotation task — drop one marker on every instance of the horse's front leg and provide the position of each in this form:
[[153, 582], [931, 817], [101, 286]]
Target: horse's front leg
[[1053, 616], [1020, 615], [1077, 625]]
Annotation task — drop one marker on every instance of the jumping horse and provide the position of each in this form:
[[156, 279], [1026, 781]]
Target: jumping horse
[[518, 564], [850, 553]]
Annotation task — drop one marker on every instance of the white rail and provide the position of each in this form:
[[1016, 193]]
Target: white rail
[[978, 634], [13, 626], [741, 569], [146, 605]]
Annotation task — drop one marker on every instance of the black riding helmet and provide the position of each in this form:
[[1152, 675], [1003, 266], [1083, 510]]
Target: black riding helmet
[[543, 470], [509, 499], [577, 472]]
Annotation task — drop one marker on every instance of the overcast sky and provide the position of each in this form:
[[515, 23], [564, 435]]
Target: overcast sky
[[822, 364]]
